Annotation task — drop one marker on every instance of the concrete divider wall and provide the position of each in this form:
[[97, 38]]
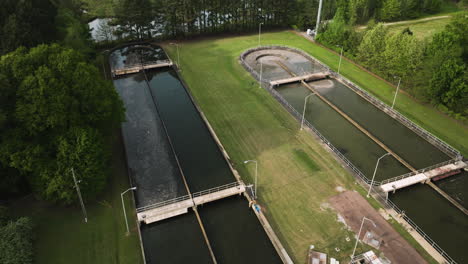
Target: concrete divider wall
[[260, 216], [440, 144], [361, 178]]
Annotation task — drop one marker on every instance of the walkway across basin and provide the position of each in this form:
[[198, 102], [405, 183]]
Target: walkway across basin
[[401, 182], [307, 78], [128, 69], [180, 205]]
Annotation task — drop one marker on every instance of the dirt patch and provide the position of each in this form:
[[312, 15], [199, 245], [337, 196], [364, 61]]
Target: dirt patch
[[353, 207]]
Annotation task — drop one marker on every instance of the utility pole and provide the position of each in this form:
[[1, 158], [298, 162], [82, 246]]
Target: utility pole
[[396, 93], [318, 18], [77, 187], [341, 55]]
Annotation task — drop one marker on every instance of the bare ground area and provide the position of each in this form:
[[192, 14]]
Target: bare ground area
[[353, 207]]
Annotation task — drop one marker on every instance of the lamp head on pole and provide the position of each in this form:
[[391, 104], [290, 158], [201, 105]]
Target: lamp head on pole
[[133, 188]]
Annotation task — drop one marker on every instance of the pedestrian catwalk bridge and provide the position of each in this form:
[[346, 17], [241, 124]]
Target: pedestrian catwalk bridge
[[406, 180], [180, 205], [307, 78], [133, 68]]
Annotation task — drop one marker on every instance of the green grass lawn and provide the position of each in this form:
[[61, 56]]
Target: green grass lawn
[[422, 29], [63, 237], [297, 175], [99, 8]]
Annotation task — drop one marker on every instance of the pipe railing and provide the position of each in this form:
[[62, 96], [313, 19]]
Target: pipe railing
[[442, 145], [410, 174], [389, 204], [163, 203], [217, 189], [363, 179], [188, 197], [140, 65]]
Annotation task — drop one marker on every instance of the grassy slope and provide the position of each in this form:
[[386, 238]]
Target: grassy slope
[[252, 125], [63, 237], [424, 29]]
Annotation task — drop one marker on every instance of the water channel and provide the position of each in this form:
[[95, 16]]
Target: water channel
[[160, 112], [442, 221]]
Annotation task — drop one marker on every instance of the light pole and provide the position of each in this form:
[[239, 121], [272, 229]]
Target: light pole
[[375, 170], [303, 112], [261, 73], [123, 207], [341, 55], [259, 32], [78, 191], [256, 175], [178, 57], [318, 18], [359, 234], [398, 87]]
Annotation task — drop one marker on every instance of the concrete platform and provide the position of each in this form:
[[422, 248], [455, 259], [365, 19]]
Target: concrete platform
[[422, 177], [138, 68], [178, 206], [307, 78]]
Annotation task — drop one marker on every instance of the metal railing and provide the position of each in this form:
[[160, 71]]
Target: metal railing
[[217, 189], [141, 65], [388, 203], [439, 143], [163, 203], [438, 165], [188, 197], [363, 179]]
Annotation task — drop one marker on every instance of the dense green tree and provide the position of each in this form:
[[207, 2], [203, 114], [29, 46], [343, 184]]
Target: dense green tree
[[447, 56], [72, 32], [338, 33], [402, 56], [133, 19], [16, 241], [26, 23], [391, 10], [58, 113], [372, 47]]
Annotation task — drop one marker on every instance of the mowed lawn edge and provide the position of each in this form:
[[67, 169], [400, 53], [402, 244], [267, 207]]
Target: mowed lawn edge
[[253, 125], [62, 236]]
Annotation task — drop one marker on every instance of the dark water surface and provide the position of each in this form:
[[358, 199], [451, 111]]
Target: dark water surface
[[152, 165], [231, 220], [356, 146], [456, 186], [175, 240], [405, 143], [202, 162], [234, 232], [443, 222]]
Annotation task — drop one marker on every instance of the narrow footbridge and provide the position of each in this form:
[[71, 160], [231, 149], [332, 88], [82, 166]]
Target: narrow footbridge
[[180, 205], [133, 68], [307, 78], [409, 179]]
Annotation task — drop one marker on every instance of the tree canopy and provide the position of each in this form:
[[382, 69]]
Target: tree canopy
[[57, 112], [26, 23]]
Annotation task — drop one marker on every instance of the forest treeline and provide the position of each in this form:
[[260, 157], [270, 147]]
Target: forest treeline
[[141, 19], [433, 70], [56, 113]]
